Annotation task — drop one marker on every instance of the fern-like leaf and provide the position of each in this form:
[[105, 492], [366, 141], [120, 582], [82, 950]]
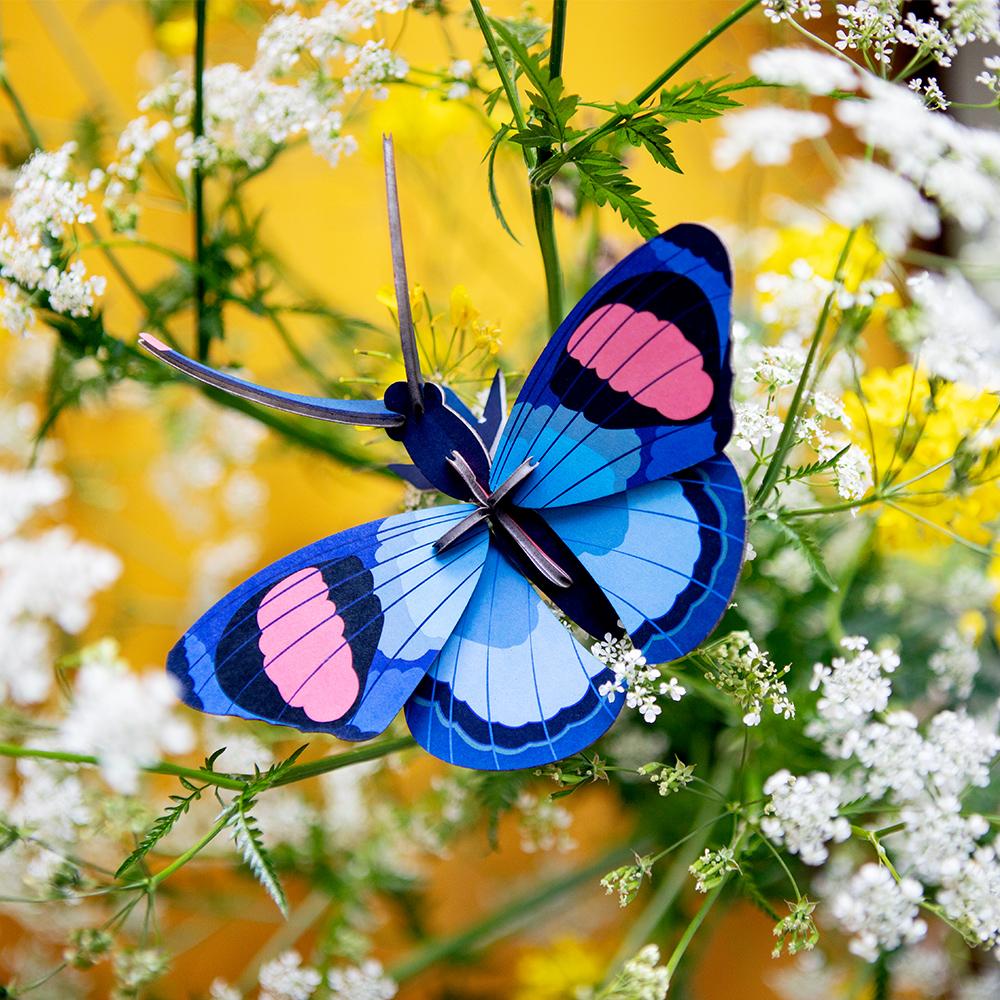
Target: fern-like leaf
[[250, 844], [806, 543], [604, 181], [161, 827]]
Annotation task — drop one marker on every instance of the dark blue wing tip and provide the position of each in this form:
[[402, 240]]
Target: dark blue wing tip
[[179, 666], [704, 243]]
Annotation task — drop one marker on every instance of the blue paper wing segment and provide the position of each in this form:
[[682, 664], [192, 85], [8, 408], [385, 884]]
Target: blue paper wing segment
[[512, 688], [363, 412], [635, 384], [666, 554], [335, 637]]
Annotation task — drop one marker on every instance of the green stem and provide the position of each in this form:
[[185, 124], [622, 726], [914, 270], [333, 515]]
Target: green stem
[[19, 110], [544, 214], [502, 921], [198, 181], [236, 782], [672, 883], [541, 200], [501, 67], [695, 925], [553, 165], [196, 848], [558, 38], [791, 418]]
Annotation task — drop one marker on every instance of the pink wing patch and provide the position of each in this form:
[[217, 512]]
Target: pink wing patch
[[305, 653], [648, 358]]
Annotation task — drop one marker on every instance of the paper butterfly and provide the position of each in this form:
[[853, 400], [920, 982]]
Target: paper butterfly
[[605, 490]]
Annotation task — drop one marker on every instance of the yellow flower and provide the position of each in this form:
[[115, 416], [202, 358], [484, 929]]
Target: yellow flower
[[463, 312], [386, 296], [487, 337], [915, 430], [557, 970], [821, 248], [972, 624], [176, 36]]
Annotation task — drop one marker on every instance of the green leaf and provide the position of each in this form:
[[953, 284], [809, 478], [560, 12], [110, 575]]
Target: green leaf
[[814, 468], [250, 844], [490, 159], [806, 542], [604, 181], [652, 136], [699, 100], [161, 827]]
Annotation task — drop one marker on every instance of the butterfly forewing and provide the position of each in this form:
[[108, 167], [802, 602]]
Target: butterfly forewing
[[635, 384], [336, 636]]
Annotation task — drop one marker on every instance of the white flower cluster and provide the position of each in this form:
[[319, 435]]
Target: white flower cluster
[[50, 808], [124, 719], [636, 679], [815, 72], [361, 982], [852, 687], [747, 673], [955, 165], [783, 10], [956, 662], [921, 771], [881, 913], [803, 813], [955, 333], [250, 113], [286, 978], [643, 978], [543, 824], [766, 135], [47, 577], [45, 206]]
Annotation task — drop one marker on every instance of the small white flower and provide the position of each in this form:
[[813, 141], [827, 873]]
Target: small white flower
[[815, 72], [784, 10], [804, 814], [886, 201], [124, 719], [879, 913], [766, 135], [286, 978], [362, 982]]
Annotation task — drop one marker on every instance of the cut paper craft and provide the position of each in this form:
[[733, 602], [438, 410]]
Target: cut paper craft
[[604, 493]]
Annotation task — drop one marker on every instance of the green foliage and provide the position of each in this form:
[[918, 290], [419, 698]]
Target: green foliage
[[604, 181], [247, 837], [162, 826], [804, 540]]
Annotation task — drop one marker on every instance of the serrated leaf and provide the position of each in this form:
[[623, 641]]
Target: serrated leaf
[[652, 136], [699, 100], [161, 827], [490, 159], [806, 542], [250, 844], [604, 181], [814, 468]]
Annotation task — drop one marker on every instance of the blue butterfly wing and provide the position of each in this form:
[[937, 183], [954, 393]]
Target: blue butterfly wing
[[512, 688], [667, 554], [635, 384], [335, 637]]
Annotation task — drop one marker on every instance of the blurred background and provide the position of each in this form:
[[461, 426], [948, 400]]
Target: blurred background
[[192, 498]]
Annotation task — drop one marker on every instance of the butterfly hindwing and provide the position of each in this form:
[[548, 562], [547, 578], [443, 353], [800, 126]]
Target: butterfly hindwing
[[635, 383], [512, 688], [335, 637], [667, 554]]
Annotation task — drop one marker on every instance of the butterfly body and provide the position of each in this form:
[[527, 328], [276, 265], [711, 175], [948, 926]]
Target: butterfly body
[[603, 493]]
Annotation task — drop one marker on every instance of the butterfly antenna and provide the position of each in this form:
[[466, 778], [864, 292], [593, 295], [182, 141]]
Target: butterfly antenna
[[407, 333]]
